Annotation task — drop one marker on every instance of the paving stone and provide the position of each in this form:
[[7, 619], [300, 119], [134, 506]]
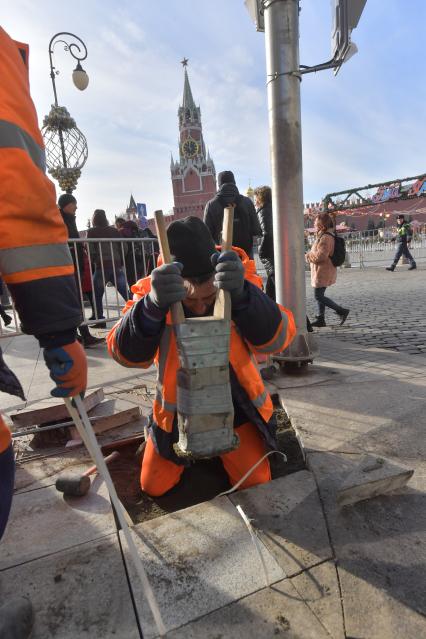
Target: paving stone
[[334, 417], [77, 593], [275, 612], [198, 560], [43, 521], [319, 588], [380, 546], [288, 517]]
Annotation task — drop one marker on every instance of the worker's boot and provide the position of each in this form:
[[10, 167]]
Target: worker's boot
[[390, 268], [16, 618], [412, 267], [319, 322]]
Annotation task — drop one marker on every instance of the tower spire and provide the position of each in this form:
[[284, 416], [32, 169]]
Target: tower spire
[[188, 100]]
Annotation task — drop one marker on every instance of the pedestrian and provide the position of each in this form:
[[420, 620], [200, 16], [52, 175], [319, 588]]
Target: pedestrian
[[134, 258], [404, 233], [5, 317], [87, 282], [108, 259], [246, 224], [263, 203], [323, 271], [67, 204], [152, 249], [145, 334], [36, 265]]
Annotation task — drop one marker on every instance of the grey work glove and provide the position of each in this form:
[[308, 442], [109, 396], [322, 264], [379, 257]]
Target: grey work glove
[[167, 285], [229, 274]]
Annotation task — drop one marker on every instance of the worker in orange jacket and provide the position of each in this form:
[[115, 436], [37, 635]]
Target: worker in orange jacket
[[36, 265], [145, 335]]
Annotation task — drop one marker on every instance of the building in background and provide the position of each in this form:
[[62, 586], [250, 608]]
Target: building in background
[[193, 174]]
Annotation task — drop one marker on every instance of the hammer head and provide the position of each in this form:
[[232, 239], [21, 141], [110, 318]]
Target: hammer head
[[73, 485]]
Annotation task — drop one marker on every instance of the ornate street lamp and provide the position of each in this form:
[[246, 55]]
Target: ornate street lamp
[[66, 146]]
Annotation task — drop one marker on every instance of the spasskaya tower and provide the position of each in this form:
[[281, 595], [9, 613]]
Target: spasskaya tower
[[194, 174]]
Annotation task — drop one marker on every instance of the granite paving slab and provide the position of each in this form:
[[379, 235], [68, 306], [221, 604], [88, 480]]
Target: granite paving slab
[[43, 521], [198, 560], [288, 517], [76, 593], [380, 547], [278, 611]]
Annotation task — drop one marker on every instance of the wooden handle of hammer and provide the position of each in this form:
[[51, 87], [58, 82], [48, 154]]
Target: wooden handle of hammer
[[178, 316], [107, 460], [223, 305]]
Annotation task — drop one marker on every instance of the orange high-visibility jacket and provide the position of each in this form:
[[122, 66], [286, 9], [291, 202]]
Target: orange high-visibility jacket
[[244, 371], [35, 261]]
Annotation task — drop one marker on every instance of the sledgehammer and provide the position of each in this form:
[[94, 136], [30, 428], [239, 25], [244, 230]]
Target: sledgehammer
[[78, 485]]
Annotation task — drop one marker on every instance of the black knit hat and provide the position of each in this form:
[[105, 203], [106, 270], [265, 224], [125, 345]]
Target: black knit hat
[[225, 177], [191, 244], [65, 199]]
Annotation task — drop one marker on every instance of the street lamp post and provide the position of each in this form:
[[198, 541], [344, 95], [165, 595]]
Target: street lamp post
[[66, 146], [282, 59]]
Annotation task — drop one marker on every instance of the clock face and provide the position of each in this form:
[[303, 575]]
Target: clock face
[[190, 148]]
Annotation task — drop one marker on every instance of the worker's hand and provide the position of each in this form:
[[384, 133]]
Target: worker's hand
[[68, 369], [229, 274], [167, 285]]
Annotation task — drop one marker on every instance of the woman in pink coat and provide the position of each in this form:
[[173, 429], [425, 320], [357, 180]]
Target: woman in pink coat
[[323, 271]]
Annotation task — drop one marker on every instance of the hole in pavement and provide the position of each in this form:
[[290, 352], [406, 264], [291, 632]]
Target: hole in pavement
[[202, 481]]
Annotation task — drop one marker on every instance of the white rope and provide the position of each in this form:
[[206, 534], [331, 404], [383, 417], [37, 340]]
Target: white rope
[[84, 427], [255, 542], [249, 472]]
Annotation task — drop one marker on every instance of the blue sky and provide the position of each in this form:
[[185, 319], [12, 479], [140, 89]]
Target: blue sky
[[363, 126]]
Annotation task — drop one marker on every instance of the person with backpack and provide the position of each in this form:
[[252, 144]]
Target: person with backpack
[[246, 224], [323, 270]]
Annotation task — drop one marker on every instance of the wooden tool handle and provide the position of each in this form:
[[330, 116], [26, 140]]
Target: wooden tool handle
[[223, 305], [178, 316], [227, 228], [107, 460]]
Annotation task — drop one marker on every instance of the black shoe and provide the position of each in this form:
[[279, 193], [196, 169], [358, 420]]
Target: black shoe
[[309, 325], [91, 340], [343, 315], [99, 325], [16, 618], [390, 268], [412, 267], [319, 322], [7, 319]]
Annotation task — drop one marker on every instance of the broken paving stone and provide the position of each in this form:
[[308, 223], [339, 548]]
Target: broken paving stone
[[372, 477]]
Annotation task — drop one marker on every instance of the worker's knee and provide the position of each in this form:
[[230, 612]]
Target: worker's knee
[[158, 475]]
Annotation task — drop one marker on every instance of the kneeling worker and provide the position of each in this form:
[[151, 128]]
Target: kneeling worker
[[145, 334]]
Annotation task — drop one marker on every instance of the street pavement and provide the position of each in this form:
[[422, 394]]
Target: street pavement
[[357, 571], [387, 309]]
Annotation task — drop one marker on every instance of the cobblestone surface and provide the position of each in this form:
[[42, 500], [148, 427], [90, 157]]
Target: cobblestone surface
[[388, 310]]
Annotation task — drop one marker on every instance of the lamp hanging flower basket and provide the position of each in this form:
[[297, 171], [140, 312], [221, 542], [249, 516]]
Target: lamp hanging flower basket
[[66, 148]]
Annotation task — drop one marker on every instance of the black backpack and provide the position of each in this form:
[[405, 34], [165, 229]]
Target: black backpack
[[339, 253]]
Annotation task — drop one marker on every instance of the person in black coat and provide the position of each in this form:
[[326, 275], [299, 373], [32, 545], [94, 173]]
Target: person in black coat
[[246, 224], [263, 202], [67, 207]]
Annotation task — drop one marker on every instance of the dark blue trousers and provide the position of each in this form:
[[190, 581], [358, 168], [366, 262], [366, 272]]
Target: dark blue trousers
[[323, 301]]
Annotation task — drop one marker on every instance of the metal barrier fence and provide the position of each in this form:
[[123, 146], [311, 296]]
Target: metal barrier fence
[[371, 249], [105, 271], [107, 268]]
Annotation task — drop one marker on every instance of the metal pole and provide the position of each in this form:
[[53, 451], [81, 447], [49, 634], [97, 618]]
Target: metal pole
[[282, 64]]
